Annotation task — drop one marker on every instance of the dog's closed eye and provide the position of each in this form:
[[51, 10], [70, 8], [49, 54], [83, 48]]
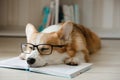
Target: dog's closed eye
[[31, 48], [44, 49]]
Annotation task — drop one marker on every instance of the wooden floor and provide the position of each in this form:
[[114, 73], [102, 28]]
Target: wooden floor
[[106, 63]]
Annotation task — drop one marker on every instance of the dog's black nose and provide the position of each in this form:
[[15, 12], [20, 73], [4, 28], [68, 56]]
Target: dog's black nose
[[30, 60]]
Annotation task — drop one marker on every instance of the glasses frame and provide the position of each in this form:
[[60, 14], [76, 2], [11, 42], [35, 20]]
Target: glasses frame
[[36, 46]]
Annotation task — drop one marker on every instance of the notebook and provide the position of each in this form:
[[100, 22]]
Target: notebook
[[61, 70]]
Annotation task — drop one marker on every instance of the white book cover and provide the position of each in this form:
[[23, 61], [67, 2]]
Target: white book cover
[[72, 13], [52, 7], [66, 11], [56, 11], [77, 13], [61, 70]]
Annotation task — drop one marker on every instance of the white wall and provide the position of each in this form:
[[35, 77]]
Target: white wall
[[99, 15], [15, 14], [102, 16]]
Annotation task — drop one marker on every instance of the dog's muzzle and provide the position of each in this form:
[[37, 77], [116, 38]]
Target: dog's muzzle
[[30, 61]]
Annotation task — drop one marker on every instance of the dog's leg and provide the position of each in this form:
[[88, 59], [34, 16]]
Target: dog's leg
[[22, 56], [73, 60], [86, 55]]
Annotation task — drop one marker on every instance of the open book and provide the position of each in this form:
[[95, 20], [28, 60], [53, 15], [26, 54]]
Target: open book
[[61, 70]]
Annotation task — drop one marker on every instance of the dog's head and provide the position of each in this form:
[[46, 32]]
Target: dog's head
[[47, 47]]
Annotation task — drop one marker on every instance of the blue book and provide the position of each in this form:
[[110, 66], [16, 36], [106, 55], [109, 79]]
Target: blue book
[[46, 12]]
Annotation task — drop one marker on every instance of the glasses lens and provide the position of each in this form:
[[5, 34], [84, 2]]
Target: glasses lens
[[27, 48], [45, 49]]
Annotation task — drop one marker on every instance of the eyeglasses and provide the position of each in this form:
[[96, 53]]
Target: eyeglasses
[[43, 49]]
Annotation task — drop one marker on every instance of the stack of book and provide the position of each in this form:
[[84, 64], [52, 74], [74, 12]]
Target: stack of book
[[71, 12], [56, 13], [50, 14]]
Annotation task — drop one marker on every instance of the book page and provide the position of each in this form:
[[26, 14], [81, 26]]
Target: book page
[[15, 62], [63, 69]]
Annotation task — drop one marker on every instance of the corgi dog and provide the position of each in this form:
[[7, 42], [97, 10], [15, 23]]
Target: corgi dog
[[62, 43]]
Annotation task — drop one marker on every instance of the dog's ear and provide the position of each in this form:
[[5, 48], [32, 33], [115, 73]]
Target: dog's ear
[[30, 29], [65, 31]]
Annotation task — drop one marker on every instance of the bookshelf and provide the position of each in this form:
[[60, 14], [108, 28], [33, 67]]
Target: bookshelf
[[15, 14]]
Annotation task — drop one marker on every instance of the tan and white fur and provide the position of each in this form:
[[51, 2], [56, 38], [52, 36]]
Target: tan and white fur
[[77, 38]]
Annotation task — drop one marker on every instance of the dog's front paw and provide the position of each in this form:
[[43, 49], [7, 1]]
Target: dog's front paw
[[22, 56], [72, 61]]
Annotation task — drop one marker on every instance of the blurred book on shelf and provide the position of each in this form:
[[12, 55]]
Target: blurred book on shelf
[[56, 13], [71, 13]]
